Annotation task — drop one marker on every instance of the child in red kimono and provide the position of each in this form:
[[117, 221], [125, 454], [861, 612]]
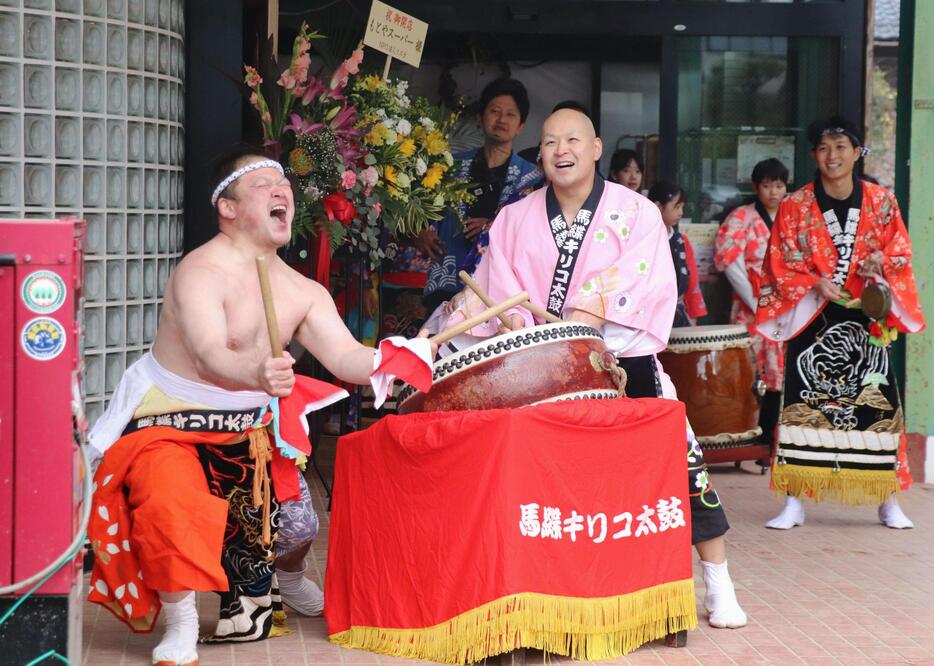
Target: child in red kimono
[[741, 243]]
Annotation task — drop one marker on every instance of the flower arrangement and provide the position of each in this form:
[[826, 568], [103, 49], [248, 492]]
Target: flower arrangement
[[311, 127], [407, 140], [360, 151]]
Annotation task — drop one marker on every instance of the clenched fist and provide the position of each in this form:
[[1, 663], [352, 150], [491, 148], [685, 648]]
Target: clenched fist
[[276, 376]]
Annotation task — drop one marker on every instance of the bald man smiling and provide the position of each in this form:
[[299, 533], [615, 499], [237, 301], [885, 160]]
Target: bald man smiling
[[595, 252]]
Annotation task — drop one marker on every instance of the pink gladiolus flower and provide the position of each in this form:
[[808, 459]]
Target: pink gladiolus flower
[[300, 68], [252, 77], [287, 80], [348, 179], [346, 68]]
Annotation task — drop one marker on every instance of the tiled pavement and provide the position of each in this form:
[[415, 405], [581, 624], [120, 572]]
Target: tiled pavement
[[842, 589]]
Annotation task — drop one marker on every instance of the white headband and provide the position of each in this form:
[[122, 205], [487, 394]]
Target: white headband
[[252, 166]]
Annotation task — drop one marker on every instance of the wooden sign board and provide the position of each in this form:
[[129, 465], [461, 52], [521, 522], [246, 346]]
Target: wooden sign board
[[395, 33]]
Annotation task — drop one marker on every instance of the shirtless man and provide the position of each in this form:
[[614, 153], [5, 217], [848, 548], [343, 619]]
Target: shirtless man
[[212, 349], [212, 328]]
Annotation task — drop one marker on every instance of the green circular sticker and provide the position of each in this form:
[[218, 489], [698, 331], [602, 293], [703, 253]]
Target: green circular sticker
[[44, 292]]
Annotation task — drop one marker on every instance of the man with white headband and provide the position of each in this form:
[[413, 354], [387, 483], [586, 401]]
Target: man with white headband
[[183, 469]]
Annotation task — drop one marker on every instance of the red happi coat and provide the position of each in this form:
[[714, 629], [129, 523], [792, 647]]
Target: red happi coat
[[745, 234], [801, 252]]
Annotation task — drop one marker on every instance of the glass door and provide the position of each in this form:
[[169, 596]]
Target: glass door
[[744, 99]]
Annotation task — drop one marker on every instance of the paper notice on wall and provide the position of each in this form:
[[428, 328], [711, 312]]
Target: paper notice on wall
[[395, 33], [752, 149], [702, 237]]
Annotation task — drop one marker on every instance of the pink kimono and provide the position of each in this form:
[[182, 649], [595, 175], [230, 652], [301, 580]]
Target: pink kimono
[[623, 271], [614, 263]]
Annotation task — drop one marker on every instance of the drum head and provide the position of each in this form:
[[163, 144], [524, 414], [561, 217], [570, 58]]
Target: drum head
[[696, 338], [557, 361]]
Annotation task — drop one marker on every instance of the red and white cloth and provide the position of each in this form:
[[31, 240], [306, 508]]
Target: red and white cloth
[[409, 360]]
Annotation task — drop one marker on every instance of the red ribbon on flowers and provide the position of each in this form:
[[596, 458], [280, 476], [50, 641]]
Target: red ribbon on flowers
[[323, 261], [338, 207]]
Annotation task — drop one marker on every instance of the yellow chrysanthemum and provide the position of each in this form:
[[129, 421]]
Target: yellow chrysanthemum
[[419, 133], [433, 176], [435, 143], [390, 175], [407, 147], [299, 162], [377, 135]]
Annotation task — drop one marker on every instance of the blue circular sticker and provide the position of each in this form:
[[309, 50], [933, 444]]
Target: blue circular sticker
[[44, 292], [43, 338]]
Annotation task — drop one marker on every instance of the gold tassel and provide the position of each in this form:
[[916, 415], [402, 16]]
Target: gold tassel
[[845, 486], [261, 454], [278, 627], [582, 628]]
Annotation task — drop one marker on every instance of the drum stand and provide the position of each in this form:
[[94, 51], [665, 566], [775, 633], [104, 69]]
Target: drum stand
[[517, 657], [678, 639]]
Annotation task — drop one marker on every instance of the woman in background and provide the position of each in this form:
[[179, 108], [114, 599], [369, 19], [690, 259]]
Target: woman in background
[[669, 198]]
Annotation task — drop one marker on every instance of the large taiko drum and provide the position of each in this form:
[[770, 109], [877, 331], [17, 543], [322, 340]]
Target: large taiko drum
[[561, 361], [714, 370]]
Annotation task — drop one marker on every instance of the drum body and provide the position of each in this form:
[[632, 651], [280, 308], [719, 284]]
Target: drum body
[[714, 370], [876, 300], [562, 361]]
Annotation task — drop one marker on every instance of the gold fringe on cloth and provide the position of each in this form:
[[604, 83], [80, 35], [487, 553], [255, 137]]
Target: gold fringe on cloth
[[844, 486], [261, 452], [279, 626], [588, 629]]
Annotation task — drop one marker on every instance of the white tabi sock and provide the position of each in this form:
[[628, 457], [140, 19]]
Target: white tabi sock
[[720, 599], [791, 515], [180, 643], [301, 594], [891, 515]]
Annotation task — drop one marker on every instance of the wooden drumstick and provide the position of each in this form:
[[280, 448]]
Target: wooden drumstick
[[483, 296], [261, 453], [489, 313], [272, 324], [541, 313]]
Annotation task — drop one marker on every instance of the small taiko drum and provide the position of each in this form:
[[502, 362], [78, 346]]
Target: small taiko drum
[[714, 370], [561, 361]]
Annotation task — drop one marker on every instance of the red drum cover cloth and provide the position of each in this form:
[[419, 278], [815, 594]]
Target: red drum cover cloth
[[425, 528]]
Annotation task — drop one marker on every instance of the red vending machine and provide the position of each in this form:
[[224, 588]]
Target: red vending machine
[[42, 427]]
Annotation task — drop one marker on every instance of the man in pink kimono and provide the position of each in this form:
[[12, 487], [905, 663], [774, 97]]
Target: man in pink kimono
[[609, 268]]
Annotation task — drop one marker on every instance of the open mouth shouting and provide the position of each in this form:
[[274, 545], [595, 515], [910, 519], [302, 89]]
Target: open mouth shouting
[[280, 213]]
